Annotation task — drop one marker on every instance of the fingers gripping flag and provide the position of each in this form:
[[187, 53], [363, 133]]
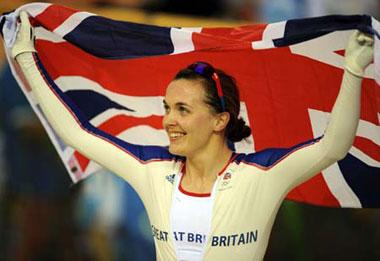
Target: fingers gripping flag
[[115, 74]]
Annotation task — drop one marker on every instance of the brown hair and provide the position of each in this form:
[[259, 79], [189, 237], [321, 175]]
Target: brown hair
[[236, 129]]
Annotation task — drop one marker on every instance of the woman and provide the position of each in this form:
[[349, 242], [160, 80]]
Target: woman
[[204, 201]]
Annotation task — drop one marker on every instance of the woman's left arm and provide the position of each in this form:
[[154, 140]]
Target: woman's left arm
[[307, 161]]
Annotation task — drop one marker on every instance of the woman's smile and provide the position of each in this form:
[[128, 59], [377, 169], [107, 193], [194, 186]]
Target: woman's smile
[[176, 136]]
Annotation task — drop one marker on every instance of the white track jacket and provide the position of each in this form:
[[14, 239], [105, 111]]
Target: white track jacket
[[247, 194]]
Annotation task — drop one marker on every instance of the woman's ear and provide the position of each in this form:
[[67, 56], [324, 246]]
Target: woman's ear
[[222, 120]]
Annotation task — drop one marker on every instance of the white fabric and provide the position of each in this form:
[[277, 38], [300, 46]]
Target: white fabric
[[190, 224], [246, 197]]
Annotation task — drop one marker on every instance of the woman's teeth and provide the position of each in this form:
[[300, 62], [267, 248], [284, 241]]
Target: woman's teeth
[[176, 135]]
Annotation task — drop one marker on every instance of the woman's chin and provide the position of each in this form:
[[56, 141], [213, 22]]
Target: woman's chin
[[176, 151]]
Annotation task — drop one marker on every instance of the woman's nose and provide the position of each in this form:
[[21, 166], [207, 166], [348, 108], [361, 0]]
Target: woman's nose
[[169, 119]]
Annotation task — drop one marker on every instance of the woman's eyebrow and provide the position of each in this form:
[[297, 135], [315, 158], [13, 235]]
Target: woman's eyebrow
[[182, 104], [178, 104]]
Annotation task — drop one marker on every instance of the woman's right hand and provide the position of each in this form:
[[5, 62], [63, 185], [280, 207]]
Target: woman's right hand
[[25, 37], [359, 53]]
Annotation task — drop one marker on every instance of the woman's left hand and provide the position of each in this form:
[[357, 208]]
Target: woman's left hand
[[359, 53]]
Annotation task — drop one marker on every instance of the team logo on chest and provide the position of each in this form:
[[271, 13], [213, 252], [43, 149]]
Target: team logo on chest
[[170, 178], [227, 176], [226, 181]]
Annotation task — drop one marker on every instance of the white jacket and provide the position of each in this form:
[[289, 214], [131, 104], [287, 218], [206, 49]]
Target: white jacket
[[249, 191]]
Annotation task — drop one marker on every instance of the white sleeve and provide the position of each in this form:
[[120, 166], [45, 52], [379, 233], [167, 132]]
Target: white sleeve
[[96, 148], [307, 161]]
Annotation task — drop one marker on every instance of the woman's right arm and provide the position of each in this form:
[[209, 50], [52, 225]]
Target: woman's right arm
[[115, 158], [303, 162]]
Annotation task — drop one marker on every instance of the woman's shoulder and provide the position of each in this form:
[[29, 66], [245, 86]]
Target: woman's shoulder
[[148, 153], [269, 157], [264, 158]]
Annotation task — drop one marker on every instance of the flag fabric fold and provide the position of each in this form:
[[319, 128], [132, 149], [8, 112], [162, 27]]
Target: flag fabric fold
[[289, 73]]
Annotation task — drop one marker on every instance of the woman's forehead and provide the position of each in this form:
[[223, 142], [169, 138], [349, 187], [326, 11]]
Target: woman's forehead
[[187, 91]]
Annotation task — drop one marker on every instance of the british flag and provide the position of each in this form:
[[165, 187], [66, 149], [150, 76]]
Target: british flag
[[289, 74]]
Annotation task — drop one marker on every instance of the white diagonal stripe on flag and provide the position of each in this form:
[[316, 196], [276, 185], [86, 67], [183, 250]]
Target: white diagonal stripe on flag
[[70, 23]]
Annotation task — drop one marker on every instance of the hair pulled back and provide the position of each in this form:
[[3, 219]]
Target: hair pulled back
[[236, 129]]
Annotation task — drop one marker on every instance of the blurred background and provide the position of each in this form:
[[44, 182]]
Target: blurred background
[[43, 216]]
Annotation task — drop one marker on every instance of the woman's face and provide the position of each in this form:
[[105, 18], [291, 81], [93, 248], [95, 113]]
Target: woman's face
[[188, 121]]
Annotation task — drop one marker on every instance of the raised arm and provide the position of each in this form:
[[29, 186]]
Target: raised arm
[[308, 160], [107, 153]]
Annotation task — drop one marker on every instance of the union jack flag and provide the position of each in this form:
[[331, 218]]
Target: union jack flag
[[289, 74]]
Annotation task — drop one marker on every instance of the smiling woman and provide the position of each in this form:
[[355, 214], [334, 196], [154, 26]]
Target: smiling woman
[[201, 116], [204, 201]]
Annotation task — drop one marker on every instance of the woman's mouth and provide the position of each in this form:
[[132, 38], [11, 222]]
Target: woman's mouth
[[174, 136]]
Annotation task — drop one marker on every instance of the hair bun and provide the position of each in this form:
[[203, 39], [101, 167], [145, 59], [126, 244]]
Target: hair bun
[[239, 130]]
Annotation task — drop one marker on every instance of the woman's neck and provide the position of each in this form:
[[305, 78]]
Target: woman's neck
[[203, 169]]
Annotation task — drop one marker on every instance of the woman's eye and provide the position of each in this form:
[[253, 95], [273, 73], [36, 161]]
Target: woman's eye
[[183, 109], [166, 108]]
